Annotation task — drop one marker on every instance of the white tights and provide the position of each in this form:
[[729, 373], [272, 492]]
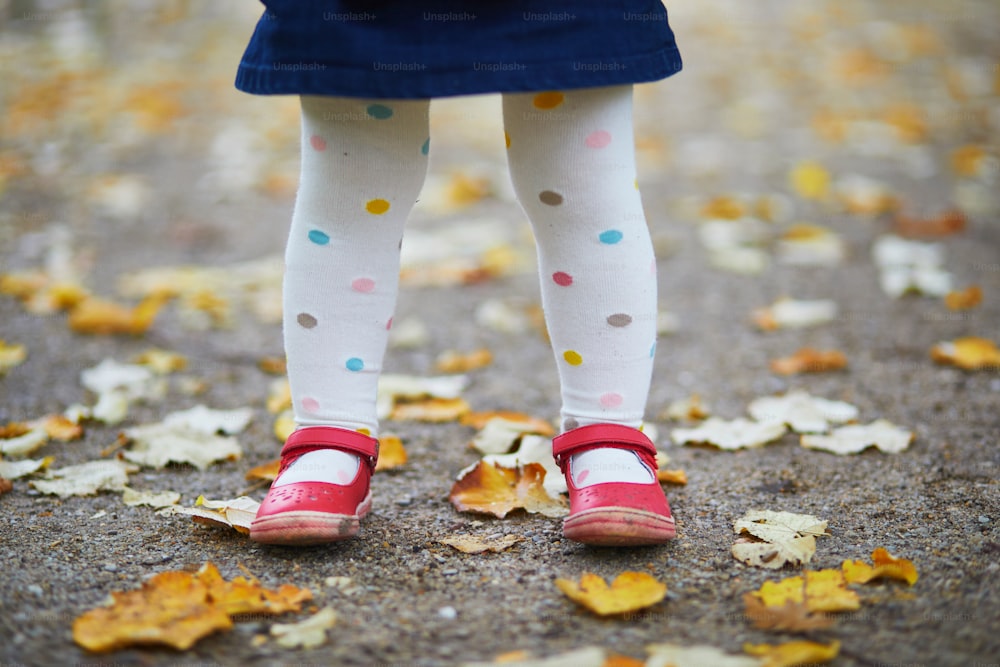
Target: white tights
[[572, 163]]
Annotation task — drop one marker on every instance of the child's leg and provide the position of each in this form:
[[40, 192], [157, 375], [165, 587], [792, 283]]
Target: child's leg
[[572, 162], [363, 164]]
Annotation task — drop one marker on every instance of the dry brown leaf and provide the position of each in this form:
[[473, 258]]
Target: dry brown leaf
[[965, 299], [793, 653], [789, 617], [434, 410], [60, 428], [236, 513], [946, 223], [691, 408], [497, 490], [971, 353], [273, 365], [474, 544], [630, 591], [6, 486], [809, 360], [452, 361], [886, 566], [100, 317], [776, 538]]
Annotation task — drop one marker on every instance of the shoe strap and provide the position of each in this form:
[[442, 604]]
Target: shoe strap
[[596, 436], [313, 438]]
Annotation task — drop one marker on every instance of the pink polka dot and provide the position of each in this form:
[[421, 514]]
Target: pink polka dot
[[562, 279], [310, 404], [582, 476], [317, 142], [652, 268], [598, 139], [344, 476], [388, 325], [363, 285], [611, 400]]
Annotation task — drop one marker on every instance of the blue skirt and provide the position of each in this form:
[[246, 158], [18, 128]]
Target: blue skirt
[[401, 49]]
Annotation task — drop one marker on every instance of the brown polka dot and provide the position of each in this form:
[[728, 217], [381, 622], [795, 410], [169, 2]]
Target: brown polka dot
[[550, 198], [570, 423], [306, 320], [619, 320]]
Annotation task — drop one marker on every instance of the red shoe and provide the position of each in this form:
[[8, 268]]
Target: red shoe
[[613, 513], [317, 512]]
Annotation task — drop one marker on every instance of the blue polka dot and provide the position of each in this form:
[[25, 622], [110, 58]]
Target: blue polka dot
[[379, 111], [611, 236], [318, 237], [355, 364], [652, 351], [425, 149]]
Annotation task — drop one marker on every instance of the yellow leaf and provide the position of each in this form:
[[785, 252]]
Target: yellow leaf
[[789, 617], [268, 471], [456, 362], [478, 420], [672, 477], [284, 425], [966, 299], [820, 590], [391, 453], [968, 160], [724, 207], [809, 360], [61, 428], [810, 180], [279, 396], [434, 410], [970, 353], [886, 566], [793, 653], [99, 317], [11, 355], [629, 591], [161, 362], [243, 596], [497, 490]]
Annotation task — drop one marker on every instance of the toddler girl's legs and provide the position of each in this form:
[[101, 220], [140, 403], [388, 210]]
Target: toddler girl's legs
[[363, 164], [572, 162]]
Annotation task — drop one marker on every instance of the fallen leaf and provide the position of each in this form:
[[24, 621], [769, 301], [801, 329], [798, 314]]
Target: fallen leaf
[[810, 180], [818, 590], [432, 410], [802, 412], [171, 609], [776, 539], [393, 389], [100, 317], [678, 477], [474, 544], [793, 653], [59, 427], [861, 195], [266, 471], [391, 453], [458, 362], [279, 396], [674, 655], [307, 634], [499, 435], [156, 499], [855, 438], [788, 313], [730, 434], [810, 245], [23, 468], [188, 436], [725, 207], [85, 479], [11, 355], [809, 360], [968, 160], [910, 266], [789, 617], [630, 591], [284, 425], [691, 408], [538, 450], [970, 353], [161, 362], [6, 486], [966, 299], [247, 596], [117, 385], [22, 440], [947, 223], [237, 513], [886, 566], [496, 490], [273, 365], [588, 656], [529, 424]]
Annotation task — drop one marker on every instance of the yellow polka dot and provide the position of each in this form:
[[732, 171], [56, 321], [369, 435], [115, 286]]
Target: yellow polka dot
[[364, 431], [635, 184], [506, 137], [377, 206], [572, 357], [549, 100]]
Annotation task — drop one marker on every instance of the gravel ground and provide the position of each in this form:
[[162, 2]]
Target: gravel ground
[[735, 122]]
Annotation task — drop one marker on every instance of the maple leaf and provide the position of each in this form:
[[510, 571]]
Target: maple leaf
[[793, 653], [886, 566], [803, 412], [730, 434], [474, 544], [630, 591], [809, 360], [970, 353], [776, 538], [790, 617], [496, 490], [855, 438], [246, 596], [85, 479], [538, 450], [818, 590]]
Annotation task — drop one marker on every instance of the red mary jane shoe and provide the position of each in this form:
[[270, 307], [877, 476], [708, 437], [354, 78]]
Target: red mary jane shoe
[[613, 513], [316, 512]]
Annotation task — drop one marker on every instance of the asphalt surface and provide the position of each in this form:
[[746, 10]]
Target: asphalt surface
[[215, 186]]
